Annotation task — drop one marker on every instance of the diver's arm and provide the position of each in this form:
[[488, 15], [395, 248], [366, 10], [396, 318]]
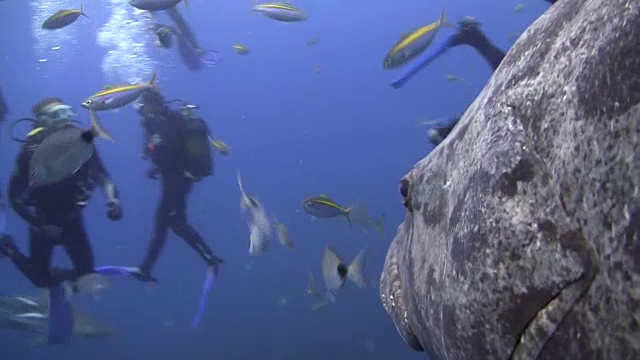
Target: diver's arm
[[4, 109], [101, 176], [490, 52], [19, 188]]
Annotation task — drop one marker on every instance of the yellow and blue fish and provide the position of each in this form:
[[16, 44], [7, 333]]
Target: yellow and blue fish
[[413, 43], [63, 18], [281, 12], [114, 97]]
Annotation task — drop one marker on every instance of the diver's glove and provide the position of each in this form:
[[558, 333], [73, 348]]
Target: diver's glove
[[114, 210], [7, 246]]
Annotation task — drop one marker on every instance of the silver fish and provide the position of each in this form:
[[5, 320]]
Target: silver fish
[[335, 271], [155, 5], [260, 230]]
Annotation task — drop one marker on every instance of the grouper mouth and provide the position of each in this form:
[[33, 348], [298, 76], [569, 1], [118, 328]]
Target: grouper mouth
[[393, 299]]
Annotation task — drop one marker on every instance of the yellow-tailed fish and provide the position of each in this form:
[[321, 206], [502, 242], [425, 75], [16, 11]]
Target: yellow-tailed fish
[[323, 207], [222, 148], [118, 96], [281, 12], [63, 18], [240, 49], [413, 43]]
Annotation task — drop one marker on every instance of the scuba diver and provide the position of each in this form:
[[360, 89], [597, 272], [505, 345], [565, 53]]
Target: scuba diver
[[4, 110], [178, 144], [194, 57], [468, 33], [54, 211]]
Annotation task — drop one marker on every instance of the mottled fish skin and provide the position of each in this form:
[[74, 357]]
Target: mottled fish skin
[[154, 5], [281, 12], [62, 18]]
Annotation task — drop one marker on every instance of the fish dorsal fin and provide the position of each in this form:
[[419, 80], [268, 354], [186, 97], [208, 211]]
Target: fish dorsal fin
[[324, 196]]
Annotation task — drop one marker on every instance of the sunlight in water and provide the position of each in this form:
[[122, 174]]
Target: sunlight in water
[[55, 47], [125, 37]]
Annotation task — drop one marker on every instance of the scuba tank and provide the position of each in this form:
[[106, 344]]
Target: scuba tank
[[197, 143]]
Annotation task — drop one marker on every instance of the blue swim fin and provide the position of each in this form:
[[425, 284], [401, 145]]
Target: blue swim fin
[[114, 270], [133, 272], [209, 280], [60, 328], [438, 48]]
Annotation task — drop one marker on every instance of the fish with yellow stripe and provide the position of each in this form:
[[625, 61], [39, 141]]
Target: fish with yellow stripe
[[413, 43], [114, 97], [281, 12], [63, 18]]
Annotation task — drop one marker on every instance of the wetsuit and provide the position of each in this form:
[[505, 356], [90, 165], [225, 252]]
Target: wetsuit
[[165, 145], [54, 215]]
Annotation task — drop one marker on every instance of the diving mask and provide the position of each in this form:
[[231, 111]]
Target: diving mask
[[188, 110], [57, 113]]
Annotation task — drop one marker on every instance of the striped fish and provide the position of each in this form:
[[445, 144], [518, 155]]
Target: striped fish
[[281, 12], [118, 96], [413, 43], [63, 18]]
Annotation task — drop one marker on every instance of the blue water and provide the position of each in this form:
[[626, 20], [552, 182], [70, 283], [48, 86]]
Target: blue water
[[293, 133]]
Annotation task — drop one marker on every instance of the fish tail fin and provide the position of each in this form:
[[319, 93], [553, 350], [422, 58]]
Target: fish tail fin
[[347, 216], [355, 270], [378, 224], [96, 126], [443, 20], [82, 11], [154, 82]]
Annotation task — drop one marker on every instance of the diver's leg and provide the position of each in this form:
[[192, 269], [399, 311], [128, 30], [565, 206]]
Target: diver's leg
[[35, 267], [469, 33], [184, 230], [78, 248], [160, 231]]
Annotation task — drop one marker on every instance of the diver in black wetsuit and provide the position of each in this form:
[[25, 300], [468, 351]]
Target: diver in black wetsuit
[[469, 33], [54, 212], [4, 110], [179, 147]]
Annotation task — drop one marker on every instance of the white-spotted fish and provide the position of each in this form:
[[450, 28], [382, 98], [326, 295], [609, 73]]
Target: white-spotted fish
[[281, 12], [63, 18], [413, 43], [335, 272], [118, 96]]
